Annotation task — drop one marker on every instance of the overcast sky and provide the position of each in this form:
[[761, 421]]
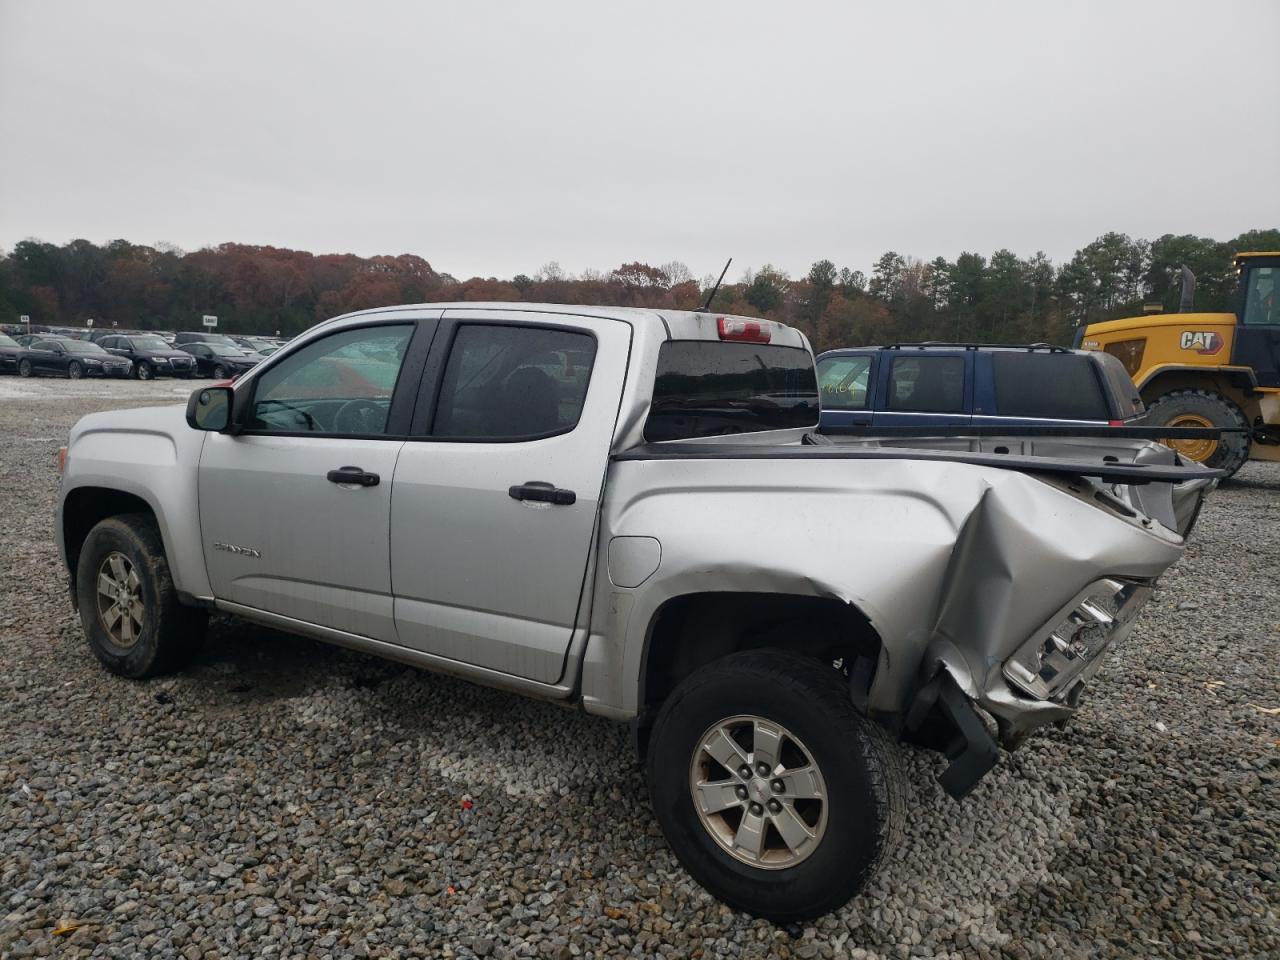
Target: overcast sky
[[492, 138]]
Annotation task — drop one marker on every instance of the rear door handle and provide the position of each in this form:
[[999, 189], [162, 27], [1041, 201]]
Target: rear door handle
[[353, 475], [542, 492]]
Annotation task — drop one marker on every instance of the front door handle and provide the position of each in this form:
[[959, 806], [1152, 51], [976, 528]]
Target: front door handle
[[542, 492], [353, 475]]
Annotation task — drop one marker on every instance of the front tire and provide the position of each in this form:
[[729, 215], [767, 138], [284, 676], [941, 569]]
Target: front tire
[[128, 604], [1204, 408], [24, 368], [219, 372], [74, 370], [773, 791], [143, 371]]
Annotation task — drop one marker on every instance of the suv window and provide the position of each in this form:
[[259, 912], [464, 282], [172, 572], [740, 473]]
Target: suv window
[[341, 384], [842, 382], [1047, 385], [506, 383], [927, 384], [706, 388]]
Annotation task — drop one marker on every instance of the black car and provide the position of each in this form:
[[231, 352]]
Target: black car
[[189, 336], [219, 361], [11, 351], [151, 356], [70, 358]]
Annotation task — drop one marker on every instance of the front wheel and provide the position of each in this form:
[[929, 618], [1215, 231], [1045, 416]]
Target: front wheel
[[143, 371], [771, 788], [74, 370], [127, 602], [219, 372], [24, 368], [1204, 408]]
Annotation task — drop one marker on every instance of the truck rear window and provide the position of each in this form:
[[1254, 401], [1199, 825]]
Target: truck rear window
[[1048, 386], [705, 388]]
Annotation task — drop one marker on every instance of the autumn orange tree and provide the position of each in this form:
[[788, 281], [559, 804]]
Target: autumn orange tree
[[263, 289]]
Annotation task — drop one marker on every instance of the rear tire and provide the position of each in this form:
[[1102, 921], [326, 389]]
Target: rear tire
[[847, 832], [1190, 408], [219, 372], [24, 368], [128, 604]]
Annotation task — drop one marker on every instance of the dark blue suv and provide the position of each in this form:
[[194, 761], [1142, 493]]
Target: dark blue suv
[[950, 384]]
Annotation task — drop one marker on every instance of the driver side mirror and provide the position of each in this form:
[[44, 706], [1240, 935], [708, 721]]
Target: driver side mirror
[[210, 409]]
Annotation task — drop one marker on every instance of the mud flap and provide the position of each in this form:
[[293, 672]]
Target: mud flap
[[971, 749]]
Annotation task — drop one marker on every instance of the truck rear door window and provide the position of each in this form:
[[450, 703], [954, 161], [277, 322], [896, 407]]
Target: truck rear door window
[[927, 385], [706, 388], [506, 383], [1047, 386]]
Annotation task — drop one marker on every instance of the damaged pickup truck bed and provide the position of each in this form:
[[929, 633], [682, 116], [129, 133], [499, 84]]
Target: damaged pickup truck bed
[[628, 510]]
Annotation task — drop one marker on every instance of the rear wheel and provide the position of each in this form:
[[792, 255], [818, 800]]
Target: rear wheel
[[219, 372], [24, 368], [1204, 408], [74, 370], [128, 604], [771, 788]]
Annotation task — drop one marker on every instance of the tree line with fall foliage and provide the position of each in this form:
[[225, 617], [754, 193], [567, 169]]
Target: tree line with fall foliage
[[1001, 298]]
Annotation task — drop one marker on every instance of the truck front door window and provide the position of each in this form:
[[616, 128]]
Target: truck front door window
[[339, 384]]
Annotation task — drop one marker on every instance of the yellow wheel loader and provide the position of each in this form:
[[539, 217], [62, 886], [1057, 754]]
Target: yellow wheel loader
[[1209, 369]]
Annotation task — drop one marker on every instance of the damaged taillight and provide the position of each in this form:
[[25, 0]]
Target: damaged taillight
[[1050, 663]]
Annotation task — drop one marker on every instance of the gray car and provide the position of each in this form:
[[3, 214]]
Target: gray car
[[628, 510]]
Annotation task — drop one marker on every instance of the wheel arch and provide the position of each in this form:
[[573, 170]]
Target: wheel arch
[[691, 630], [1237, 384], [82, 508]]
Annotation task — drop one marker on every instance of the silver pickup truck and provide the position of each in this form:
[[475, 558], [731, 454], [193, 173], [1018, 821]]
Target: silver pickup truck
[[630, 511]]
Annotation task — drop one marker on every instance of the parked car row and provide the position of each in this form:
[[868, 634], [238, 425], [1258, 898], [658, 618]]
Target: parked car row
[[140, 355]]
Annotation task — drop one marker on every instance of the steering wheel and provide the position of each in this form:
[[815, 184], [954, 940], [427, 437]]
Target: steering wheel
[[360, 416]]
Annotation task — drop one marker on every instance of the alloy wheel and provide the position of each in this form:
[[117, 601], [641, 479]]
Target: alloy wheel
[[758, 792], [120, 605]]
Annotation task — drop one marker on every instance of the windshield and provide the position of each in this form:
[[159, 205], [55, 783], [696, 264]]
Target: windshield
[[6, 341], [224, 351], [149, 343], [82, 346]]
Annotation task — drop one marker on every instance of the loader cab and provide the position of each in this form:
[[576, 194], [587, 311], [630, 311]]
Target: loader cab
[[1257, 339]]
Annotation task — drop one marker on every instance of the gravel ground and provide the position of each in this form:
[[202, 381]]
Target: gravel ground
[[283, 798]]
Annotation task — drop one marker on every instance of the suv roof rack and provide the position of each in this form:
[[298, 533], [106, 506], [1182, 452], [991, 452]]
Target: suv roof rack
[[961, 345]]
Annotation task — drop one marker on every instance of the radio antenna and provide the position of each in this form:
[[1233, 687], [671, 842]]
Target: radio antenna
[[714, 290]]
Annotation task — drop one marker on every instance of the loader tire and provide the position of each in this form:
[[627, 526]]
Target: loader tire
[[1203, 408]]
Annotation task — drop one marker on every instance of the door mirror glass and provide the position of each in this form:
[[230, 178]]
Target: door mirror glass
[[210, 409]]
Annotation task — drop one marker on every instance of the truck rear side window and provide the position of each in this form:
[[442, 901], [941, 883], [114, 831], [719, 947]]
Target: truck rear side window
[[706, 388], [507, 383], [1049, 386]]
